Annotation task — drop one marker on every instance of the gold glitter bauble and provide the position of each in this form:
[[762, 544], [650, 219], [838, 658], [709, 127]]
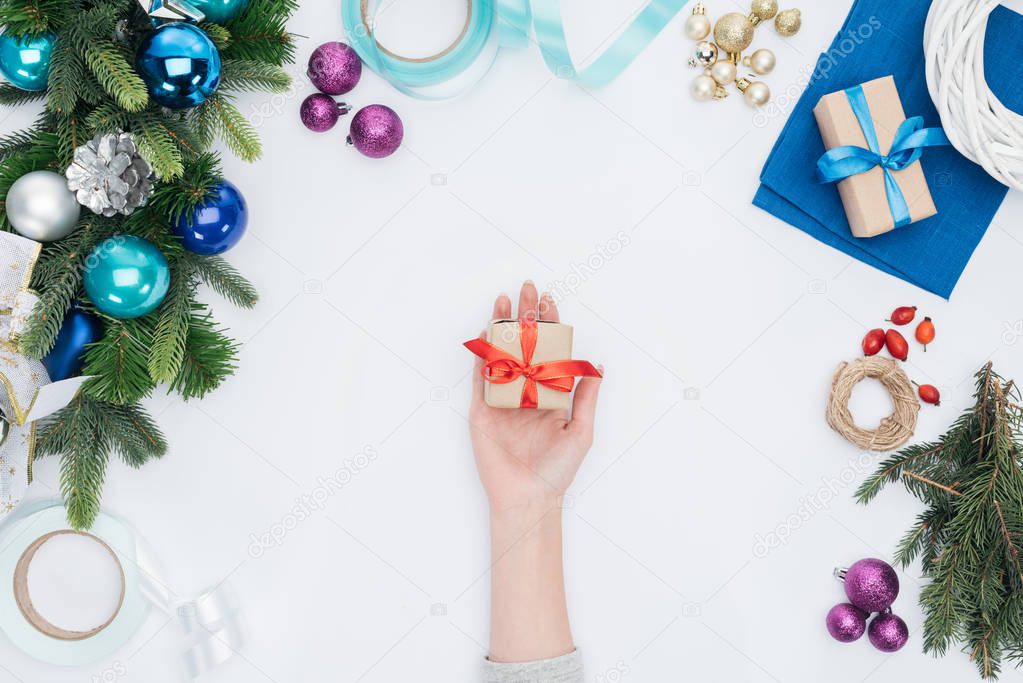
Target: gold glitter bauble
[[733, 32], [789, 22], [764, 10]]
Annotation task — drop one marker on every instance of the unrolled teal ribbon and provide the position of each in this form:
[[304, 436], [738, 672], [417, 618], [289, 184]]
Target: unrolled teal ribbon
[[504, 23], [911, 139]]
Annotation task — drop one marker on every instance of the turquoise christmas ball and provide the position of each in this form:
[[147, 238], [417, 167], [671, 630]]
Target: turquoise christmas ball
[[220, 11], [126, 276], [179, 64], [25, 61]]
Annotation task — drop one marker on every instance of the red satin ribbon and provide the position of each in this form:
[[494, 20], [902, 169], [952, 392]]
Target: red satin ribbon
[[500, 367]]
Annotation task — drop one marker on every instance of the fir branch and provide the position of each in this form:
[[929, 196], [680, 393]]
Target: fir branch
[[210, 358], [34, 16], [67, 78], [232, 127], [968, 538], [116, 75], [220, 35], [134, 434], [251, 74], [11, 96], [260, 32], [119, 362], [158, 145], [76, 434], [225, 280], [170, 336], [58, 276]]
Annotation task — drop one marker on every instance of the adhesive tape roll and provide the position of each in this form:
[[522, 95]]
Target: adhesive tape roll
[[21, 536]]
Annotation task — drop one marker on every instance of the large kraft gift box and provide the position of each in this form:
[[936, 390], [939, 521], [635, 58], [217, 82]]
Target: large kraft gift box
[[553, 343], [863, 195]]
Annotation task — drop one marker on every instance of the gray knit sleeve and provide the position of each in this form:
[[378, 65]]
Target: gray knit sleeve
[[565, 669]]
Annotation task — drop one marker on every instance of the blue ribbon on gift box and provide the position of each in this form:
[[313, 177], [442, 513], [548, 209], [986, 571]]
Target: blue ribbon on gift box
[[908, 146]]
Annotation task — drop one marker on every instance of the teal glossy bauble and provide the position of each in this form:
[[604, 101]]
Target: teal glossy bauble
[[220, 11], [25, 61], [126, 276]]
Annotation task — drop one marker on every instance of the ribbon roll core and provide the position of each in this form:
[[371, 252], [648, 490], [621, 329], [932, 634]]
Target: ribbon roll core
[[461, 36], [24, 599]]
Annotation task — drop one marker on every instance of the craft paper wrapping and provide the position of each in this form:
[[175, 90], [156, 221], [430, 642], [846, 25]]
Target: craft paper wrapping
[[863, 195], [553, 342], [880, 38]]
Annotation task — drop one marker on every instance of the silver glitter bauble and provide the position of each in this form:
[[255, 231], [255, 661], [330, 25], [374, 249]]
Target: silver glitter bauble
[[40, 206], [109, 176]]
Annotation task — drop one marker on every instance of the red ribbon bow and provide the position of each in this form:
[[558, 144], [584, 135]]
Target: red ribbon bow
[[500, 367]]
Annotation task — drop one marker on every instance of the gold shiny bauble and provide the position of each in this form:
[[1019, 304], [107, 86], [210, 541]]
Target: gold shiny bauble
[[733, 32], [706, 55], [763, 10], [789, 22]]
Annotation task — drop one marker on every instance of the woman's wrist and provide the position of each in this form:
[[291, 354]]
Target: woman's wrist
[[529, 617]]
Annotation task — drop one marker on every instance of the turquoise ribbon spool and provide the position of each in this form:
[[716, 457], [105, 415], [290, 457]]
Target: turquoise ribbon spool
[[908, 146], [490, 25]]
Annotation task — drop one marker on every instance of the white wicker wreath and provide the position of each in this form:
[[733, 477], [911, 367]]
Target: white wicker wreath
[[977, 123]]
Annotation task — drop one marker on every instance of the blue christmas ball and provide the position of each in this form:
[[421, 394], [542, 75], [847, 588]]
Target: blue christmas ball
[[179, 64], [220, 11], [215, 225], [79, 329], [126, 276], [25, 60]]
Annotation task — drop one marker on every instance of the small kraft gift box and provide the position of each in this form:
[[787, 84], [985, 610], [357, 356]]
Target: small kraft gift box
[[528, 364], [874, 155]]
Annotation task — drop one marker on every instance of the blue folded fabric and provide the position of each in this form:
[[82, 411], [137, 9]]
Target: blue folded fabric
[[882, 37]]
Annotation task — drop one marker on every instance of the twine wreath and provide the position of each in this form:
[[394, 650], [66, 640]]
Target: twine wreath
[[895, 429]]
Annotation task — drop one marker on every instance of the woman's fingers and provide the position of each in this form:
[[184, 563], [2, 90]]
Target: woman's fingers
[[528, 300], [502, 307], [548, 309], [477, 371], [584, 407]]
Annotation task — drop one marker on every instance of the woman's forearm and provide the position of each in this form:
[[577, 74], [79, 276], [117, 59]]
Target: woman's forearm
[[529, 615]]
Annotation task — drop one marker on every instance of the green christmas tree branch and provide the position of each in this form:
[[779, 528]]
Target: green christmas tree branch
[[970, 535]]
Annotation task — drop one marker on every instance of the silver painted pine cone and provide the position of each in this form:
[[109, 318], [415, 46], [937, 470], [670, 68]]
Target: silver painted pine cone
[[109, 176]]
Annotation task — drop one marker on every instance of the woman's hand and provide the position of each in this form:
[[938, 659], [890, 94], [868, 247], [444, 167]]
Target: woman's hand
[[528, 458]]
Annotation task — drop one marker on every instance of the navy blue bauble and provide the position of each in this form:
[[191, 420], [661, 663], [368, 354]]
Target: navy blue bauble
[[215, 225], [180, 65], [79, 329]]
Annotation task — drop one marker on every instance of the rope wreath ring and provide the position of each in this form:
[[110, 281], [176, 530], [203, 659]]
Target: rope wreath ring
[[895, 429]]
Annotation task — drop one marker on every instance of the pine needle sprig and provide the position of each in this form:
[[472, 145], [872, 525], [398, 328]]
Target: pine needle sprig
[[83, 435], [969, 538]]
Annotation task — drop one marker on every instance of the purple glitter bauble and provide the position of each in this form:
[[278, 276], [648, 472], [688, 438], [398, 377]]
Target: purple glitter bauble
[[846, 622], [334, 68], [888, 632], [871, 584], [320, 112], [376, 131]]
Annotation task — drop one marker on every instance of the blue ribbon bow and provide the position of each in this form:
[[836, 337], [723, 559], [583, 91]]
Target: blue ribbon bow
[[911, 139]]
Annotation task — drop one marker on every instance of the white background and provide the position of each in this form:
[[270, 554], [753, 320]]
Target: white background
[[719, 327]]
